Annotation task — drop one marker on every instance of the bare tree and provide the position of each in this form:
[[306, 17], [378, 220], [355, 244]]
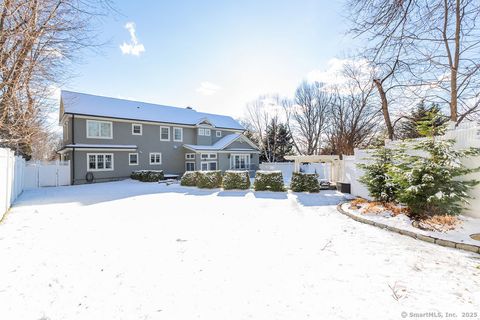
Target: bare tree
[[437, 43], [306, 116], [38, 39], [354, 114]]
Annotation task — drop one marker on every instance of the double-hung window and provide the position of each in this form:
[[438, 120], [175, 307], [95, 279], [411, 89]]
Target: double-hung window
[[136, 129], [204, 132], [218, 134], [99, 129], [189, 166], [165, 133], [208, 165], [99, 161], [155, 158], [133, 159], [178, 134]]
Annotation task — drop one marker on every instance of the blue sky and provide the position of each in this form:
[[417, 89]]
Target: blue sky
[[212, 55]]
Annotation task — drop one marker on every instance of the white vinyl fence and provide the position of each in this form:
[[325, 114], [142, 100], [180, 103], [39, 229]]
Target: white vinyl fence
[[322, 169], [47, 174], [12, 169]]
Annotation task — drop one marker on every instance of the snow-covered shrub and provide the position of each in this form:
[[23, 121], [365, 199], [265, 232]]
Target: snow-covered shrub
[[305, 182], [378, 177], [429, 184], [147, 175], [189, 179], [209, 179], [236, 180], [268, 180]]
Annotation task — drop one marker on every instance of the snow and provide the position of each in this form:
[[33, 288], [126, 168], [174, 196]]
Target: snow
[[112, 146], [87, 104], [132, 250], [467, 226], [219, 145]]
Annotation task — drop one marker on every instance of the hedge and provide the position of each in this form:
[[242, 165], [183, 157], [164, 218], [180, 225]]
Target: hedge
[[304, 182], [268, 180], [236, 180], [147, 175], [209, 179], [189, 179]]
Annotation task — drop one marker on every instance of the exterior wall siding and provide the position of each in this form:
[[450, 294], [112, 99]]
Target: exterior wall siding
[[173, 153]]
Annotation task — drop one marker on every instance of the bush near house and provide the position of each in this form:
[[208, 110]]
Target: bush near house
[[268, 181], [147, 175], [236, 180], [305, 182], [209, 179], [189, 179]]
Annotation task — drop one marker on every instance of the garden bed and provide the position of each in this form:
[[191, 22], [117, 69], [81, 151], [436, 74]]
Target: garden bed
[[455, 234]]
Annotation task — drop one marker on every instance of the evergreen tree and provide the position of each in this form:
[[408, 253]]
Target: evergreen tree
[[278, 143], [408, 129]]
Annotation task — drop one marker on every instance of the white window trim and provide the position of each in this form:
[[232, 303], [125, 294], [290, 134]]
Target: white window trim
[[150, 159], [133, 164], [181, 134], [209, 132], [99, 121], [201, 131], [247, 163], [186, 162], [208, 162], [210, 156], [189, 154], [163, 127], [141, 129], [96, 154], [218, 133]]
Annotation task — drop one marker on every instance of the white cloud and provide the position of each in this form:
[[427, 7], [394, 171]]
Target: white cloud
[[134, 47], [207, 88]]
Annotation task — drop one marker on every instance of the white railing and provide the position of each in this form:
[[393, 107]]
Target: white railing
[[12, 169]]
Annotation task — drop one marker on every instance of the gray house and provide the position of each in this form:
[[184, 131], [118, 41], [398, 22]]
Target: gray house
[[110, 138]]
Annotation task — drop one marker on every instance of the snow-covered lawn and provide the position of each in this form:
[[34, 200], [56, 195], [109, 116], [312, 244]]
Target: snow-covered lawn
[[131, 250]]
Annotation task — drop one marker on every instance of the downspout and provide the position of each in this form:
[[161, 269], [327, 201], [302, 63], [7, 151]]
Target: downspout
[[73, 149]]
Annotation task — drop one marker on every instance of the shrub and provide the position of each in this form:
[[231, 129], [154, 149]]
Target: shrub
[[305, 182], [189, 179], [268, 180], [209, 179], [147, 175], [236, 180], [430, 184], [378, 177]]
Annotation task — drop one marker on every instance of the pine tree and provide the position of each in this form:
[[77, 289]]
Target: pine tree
[[378, 177], [408, 129], [278, 143], [429, 180]]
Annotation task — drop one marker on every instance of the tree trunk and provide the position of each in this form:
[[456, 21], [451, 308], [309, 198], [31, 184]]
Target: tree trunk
[[386, 113]]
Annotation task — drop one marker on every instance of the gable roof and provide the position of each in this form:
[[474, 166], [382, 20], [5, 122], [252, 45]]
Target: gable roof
[[91, 105], [221, 144]]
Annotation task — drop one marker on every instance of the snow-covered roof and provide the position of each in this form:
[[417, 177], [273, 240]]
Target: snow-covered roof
[[87, 104], [219, 145]]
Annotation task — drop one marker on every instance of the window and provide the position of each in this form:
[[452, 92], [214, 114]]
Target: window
[[155, 158], [240, 161], [206, 156], [99, 161], [209, 165], [133, 159], [190, 156], [177, 134], [218, 134], [189, 166], [136, 129], [99, 129], [204, 132], [164, 133]]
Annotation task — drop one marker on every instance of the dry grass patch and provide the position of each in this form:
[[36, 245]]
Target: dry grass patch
[[439, 223]]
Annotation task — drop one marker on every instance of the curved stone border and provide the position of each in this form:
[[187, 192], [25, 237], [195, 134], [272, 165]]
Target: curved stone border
[[442, 242]]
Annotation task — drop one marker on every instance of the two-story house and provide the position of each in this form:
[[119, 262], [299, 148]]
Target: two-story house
[[107, 138]]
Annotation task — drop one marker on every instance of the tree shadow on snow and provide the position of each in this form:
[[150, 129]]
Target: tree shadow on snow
[[323, 198], [233, 193], [270, 195]]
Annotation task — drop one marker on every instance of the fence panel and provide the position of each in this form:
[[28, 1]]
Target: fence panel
[[47, 174], [11, 179]]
